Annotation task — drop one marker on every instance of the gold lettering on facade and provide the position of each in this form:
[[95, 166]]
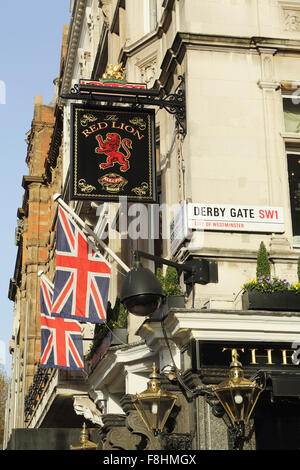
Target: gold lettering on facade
[[286, 356], [283, 357], [234, 352], [268, 356]]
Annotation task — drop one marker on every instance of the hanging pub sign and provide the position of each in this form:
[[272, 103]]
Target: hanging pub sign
[[112, 154]]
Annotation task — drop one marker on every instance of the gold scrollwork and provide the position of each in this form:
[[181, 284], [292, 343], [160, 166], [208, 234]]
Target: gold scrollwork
[[141, 190], [85, 188], [86, 118], [138, 122]]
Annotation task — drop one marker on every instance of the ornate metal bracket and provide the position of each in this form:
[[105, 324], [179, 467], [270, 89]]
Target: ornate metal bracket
[[174, 103], [176, 441]]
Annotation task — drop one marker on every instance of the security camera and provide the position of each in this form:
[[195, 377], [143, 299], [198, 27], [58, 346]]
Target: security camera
[[141, 292]]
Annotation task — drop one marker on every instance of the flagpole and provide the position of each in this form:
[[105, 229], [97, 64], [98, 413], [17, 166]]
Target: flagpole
[[45, 278], [57, 198]]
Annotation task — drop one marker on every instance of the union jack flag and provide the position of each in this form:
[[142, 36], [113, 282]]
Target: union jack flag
[[82, 275], [61, 338]]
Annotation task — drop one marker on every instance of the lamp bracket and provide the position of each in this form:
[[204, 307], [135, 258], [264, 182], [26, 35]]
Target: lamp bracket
[[260, 377], [173, 103], [197, 270], [236, 436]]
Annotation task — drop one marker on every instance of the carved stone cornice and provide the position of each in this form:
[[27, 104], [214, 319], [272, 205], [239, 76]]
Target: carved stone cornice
[[73, 41], [28, 179], [188, 41]]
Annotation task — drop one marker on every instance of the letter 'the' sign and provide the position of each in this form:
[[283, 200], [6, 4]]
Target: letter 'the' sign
[[112, 154]]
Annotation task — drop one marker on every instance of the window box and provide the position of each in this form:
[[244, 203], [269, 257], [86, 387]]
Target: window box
[[175, 301], [286, 301], [119, 336]]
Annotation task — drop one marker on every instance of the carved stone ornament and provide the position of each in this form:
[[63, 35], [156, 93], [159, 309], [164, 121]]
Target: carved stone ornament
[[105, 5], [120, 439], [89, 22], [292, 20], [84, 406], [127, 432], [138, 428], [148, 71], [290, 15]]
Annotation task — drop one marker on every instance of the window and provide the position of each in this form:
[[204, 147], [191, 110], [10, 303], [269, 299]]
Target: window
[[150, 15], [291, 107], [293, 160], [291, 113]]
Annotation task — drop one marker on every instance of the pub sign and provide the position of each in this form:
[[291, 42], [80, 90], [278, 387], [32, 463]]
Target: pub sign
[[112, 154]]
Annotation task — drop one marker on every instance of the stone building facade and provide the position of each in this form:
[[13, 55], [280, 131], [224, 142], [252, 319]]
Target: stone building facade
[[237, 150]]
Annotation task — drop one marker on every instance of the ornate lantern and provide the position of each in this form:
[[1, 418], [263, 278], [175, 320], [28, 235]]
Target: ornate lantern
[[237, 394], [154, 404]]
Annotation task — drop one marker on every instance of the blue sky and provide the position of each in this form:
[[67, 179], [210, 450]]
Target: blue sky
[[30, 45]]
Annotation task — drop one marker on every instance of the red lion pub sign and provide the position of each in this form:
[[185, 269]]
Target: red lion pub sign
[[112, 154]]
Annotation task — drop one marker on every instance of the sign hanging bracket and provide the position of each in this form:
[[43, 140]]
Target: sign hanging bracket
[[137, 96]]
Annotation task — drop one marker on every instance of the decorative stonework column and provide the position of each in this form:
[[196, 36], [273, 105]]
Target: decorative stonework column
[[274, 154], [269, 85]]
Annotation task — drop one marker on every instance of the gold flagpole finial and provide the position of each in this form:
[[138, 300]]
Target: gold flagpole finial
[[84, 443]]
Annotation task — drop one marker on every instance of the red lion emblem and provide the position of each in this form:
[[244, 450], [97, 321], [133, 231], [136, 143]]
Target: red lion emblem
[[110, 147]]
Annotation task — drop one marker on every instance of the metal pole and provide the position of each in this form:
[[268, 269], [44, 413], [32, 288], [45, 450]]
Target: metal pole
[[57, 197], [18, 387], [42, 276], [24, 364], [182, 267], [6, 423]]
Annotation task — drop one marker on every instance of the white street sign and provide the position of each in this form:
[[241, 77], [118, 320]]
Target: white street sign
[[235, 218]]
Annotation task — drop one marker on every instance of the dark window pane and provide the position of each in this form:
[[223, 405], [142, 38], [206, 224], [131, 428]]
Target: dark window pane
[[291, 111], [294, 182]]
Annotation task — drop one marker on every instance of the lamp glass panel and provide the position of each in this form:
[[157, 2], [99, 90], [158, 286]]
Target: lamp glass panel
[[144, 408], [236, 410], [155, 411]]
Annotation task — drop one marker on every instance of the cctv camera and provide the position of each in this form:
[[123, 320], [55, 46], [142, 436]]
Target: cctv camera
[[141, 292]]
